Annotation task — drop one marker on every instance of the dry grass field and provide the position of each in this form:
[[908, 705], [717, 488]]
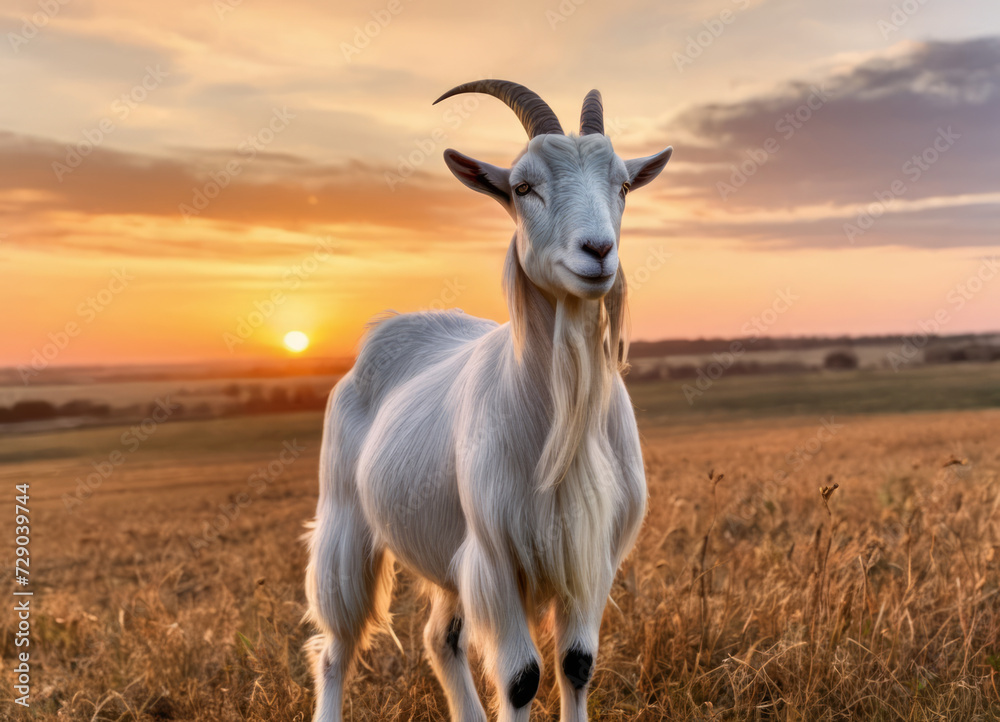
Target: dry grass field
[[748, 597]]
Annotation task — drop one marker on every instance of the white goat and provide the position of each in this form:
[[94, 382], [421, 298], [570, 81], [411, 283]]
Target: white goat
[[500, 463]]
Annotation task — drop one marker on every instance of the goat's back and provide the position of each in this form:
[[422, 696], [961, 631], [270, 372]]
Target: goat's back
[[400, 346]]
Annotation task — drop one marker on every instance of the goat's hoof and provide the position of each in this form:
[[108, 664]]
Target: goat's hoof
[[524, 686], [577, 666]]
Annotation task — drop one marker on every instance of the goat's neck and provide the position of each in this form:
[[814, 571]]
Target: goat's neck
[[541, 320], [563, 358]]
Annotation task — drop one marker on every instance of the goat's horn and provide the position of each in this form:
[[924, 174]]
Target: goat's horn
[[533, 112], [592, 114]]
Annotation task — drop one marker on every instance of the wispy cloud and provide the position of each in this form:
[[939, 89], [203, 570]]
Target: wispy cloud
[[280, 191], [842, 140]]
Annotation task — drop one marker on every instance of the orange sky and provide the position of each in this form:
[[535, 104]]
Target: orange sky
[[311, 126]]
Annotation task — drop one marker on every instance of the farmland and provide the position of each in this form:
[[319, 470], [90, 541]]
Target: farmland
[[173, 588]]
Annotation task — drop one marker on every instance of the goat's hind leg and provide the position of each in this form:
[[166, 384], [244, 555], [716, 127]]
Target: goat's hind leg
[[349, 588], [446, 640]]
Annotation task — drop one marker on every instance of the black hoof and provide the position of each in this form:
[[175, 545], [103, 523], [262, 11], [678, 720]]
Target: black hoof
[[577, 666], [524, 686]]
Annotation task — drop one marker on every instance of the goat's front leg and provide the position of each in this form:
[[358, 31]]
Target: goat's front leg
[[500, 628], [577, 628]]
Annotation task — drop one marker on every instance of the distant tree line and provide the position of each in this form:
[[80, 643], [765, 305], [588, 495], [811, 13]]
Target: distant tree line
[[693, 347], [252, 399], [840, 359], [32, 410], [958, 354], [738, 368], [239, 400]]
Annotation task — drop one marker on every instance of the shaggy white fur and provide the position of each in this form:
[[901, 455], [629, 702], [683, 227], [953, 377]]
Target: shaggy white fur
[[500, 463]]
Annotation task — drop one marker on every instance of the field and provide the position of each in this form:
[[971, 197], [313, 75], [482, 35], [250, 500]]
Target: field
[[165, 594]]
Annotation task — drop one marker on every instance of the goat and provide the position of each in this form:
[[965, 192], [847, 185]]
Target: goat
[[499, 463]]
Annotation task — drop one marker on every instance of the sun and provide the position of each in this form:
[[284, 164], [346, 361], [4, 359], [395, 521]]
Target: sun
[[296, 341]]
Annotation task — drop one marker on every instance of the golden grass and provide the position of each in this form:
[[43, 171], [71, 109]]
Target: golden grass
[[744, 600]]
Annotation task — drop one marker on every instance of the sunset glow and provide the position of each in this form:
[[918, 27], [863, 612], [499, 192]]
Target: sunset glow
[[241, 163]]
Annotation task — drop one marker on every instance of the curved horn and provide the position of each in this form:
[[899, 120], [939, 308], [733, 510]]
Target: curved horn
[[592, 114], [533, 112]]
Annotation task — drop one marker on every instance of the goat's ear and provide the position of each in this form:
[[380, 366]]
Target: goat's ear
[[642, 170], [479, 176]]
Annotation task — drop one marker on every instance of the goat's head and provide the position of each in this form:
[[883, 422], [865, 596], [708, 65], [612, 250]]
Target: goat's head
[[565, 193]]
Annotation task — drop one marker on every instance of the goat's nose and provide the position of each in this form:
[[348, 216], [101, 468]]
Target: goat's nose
[[598, 249]]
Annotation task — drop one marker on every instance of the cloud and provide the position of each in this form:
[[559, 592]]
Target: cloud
[[75, 56], [966, 223], [922, 115], [279, 191], [840, 142]]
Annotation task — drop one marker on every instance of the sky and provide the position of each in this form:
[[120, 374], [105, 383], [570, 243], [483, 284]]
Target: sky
[[192, 180]]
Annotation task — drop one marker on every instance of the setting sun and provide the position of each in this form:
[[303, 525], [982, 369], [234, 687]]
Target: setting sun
[[296, 341]]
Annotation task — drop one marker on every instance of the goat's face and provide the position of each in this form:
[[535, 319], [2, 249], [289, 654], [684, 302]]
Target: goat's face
[[565, 193], [568, 195]]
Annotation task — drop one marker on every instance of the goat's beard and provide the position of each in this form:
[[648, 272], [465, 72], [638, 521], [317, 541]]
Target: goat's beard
[[589, 347], [580, 386], [573, 477]]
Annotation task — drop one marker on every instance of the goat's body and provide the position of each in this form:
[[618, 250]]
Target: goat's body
[[500, 463], [429, 454], [444, 417], [406, 481]]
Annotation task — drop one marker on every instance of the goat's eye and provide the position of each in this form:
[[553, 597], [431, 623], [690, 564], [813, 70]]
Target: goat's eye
[[522, 189], [625, 186]]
